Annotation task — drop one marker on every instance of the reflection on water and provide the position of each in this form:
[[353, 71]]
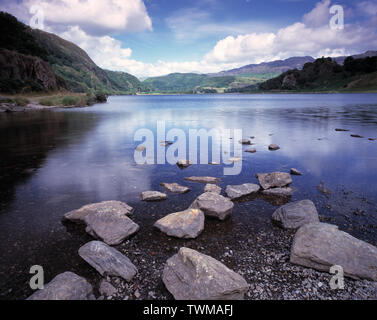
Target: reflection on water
[[55, 161]]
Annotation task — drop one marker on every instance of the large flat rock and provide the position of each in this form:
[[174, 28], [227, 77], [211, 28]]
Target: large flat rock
[[242, 190], [190, 275], [274, 179], [107, 260], [295, 214], [153, 196], [321, 245], [184, 224], [65, 286], [175, 187], [213, 205]]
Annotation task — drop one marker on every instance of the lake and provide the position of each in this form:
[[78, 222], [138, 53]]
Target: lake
[[54, 161]]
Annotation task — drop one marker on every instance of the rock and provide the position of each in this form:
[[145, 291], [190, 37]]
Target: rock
[[238, 191], [234, 159], [214, 163], [212, 188], [175, 187], [153, 196], [186, 224], [251, 150], [203, 179], [321, 245], [273, 147], [356, 136], [372, 139], [190, 275], [111, 207], [140, 148], [213, 205], [106, 288], [341, 130], [295, 214], [65, 286], [245, 141], [280, 192], [274, 179], [321, 188], [107, 260], [105, 220], [296, 172], [184, 163]]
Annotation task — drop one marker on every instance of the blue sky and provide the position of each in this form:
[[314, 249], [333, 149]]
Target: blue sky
[[156, 37]]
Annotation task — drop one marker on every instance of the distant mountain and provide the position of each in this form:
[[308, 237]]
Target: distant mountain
[[34, 60], [340, 60], [325, 74]]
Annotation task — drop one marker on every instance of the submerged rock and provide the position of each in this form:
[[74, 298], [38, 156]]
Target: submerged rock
[[107, 260], [273, 147], [184, 163], [186, 224], [203, 179], [190, 275], [295, 214], [212, 188], [322, 189], [65, 286], [279, 192], [213, 205], [321, 245], [238, 191], [274, 179], [296, 172], [175, 187], [153, 196], [105, 220]]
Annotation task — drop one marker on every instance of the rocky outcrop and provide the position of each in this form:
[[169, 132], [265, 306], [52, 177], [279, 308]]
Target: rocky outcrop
[[105, 220], [28, 73], [238, 191], [274, 179], [186, 224], [295, 214], [190, 275], [175, 187], [153, 196], [321, 245], [203, 179], [213, 205], [65, 286], [107, 260]]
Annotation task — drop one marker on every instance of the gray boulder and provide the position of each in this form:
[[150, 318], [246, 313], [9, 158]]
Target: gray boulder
[[190, 275], [186, 224], [203, 179], [212, 188], [322, 245], [274, 179], [65, 286], [295, 214], [175, 187], [107, 260], [238, 191], [279, 192], [153, 196], [213, 205]]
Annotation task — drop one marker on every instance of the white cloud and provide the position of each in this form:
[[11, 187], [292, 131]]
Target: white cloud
[[92, 16]]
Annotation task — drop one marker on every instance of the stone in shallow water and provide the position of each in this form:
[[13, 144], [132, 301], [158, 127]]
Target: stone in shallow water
[[279, 192], [107, 260], [296, 172], [273, 147], [321, 246], [295, 214], [185, 224], [212, 188], [203, 179], [105, 220], [245, 141], [322, 189], [153, 196], [175, 187], [213, 205], [190, 275], [338, 129], [274, 179], [65, 286], [251, 150], [184, 163], [238, 191], [356, 136]]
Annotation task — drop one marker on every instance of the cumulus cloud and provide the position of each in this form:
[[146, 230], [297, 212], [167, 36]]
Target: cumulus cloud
[[96, 17]]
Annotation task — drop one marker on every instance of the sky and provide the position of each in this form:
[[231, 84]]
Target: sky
[[157, 37]]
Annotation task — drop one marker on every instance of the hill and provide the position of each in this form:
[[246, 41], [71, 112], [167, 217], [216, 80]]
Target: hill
[[34, 60], [325, 74]]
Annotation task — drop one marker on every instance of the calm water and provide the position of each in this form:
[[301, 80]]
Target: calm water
[[55, 161]]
